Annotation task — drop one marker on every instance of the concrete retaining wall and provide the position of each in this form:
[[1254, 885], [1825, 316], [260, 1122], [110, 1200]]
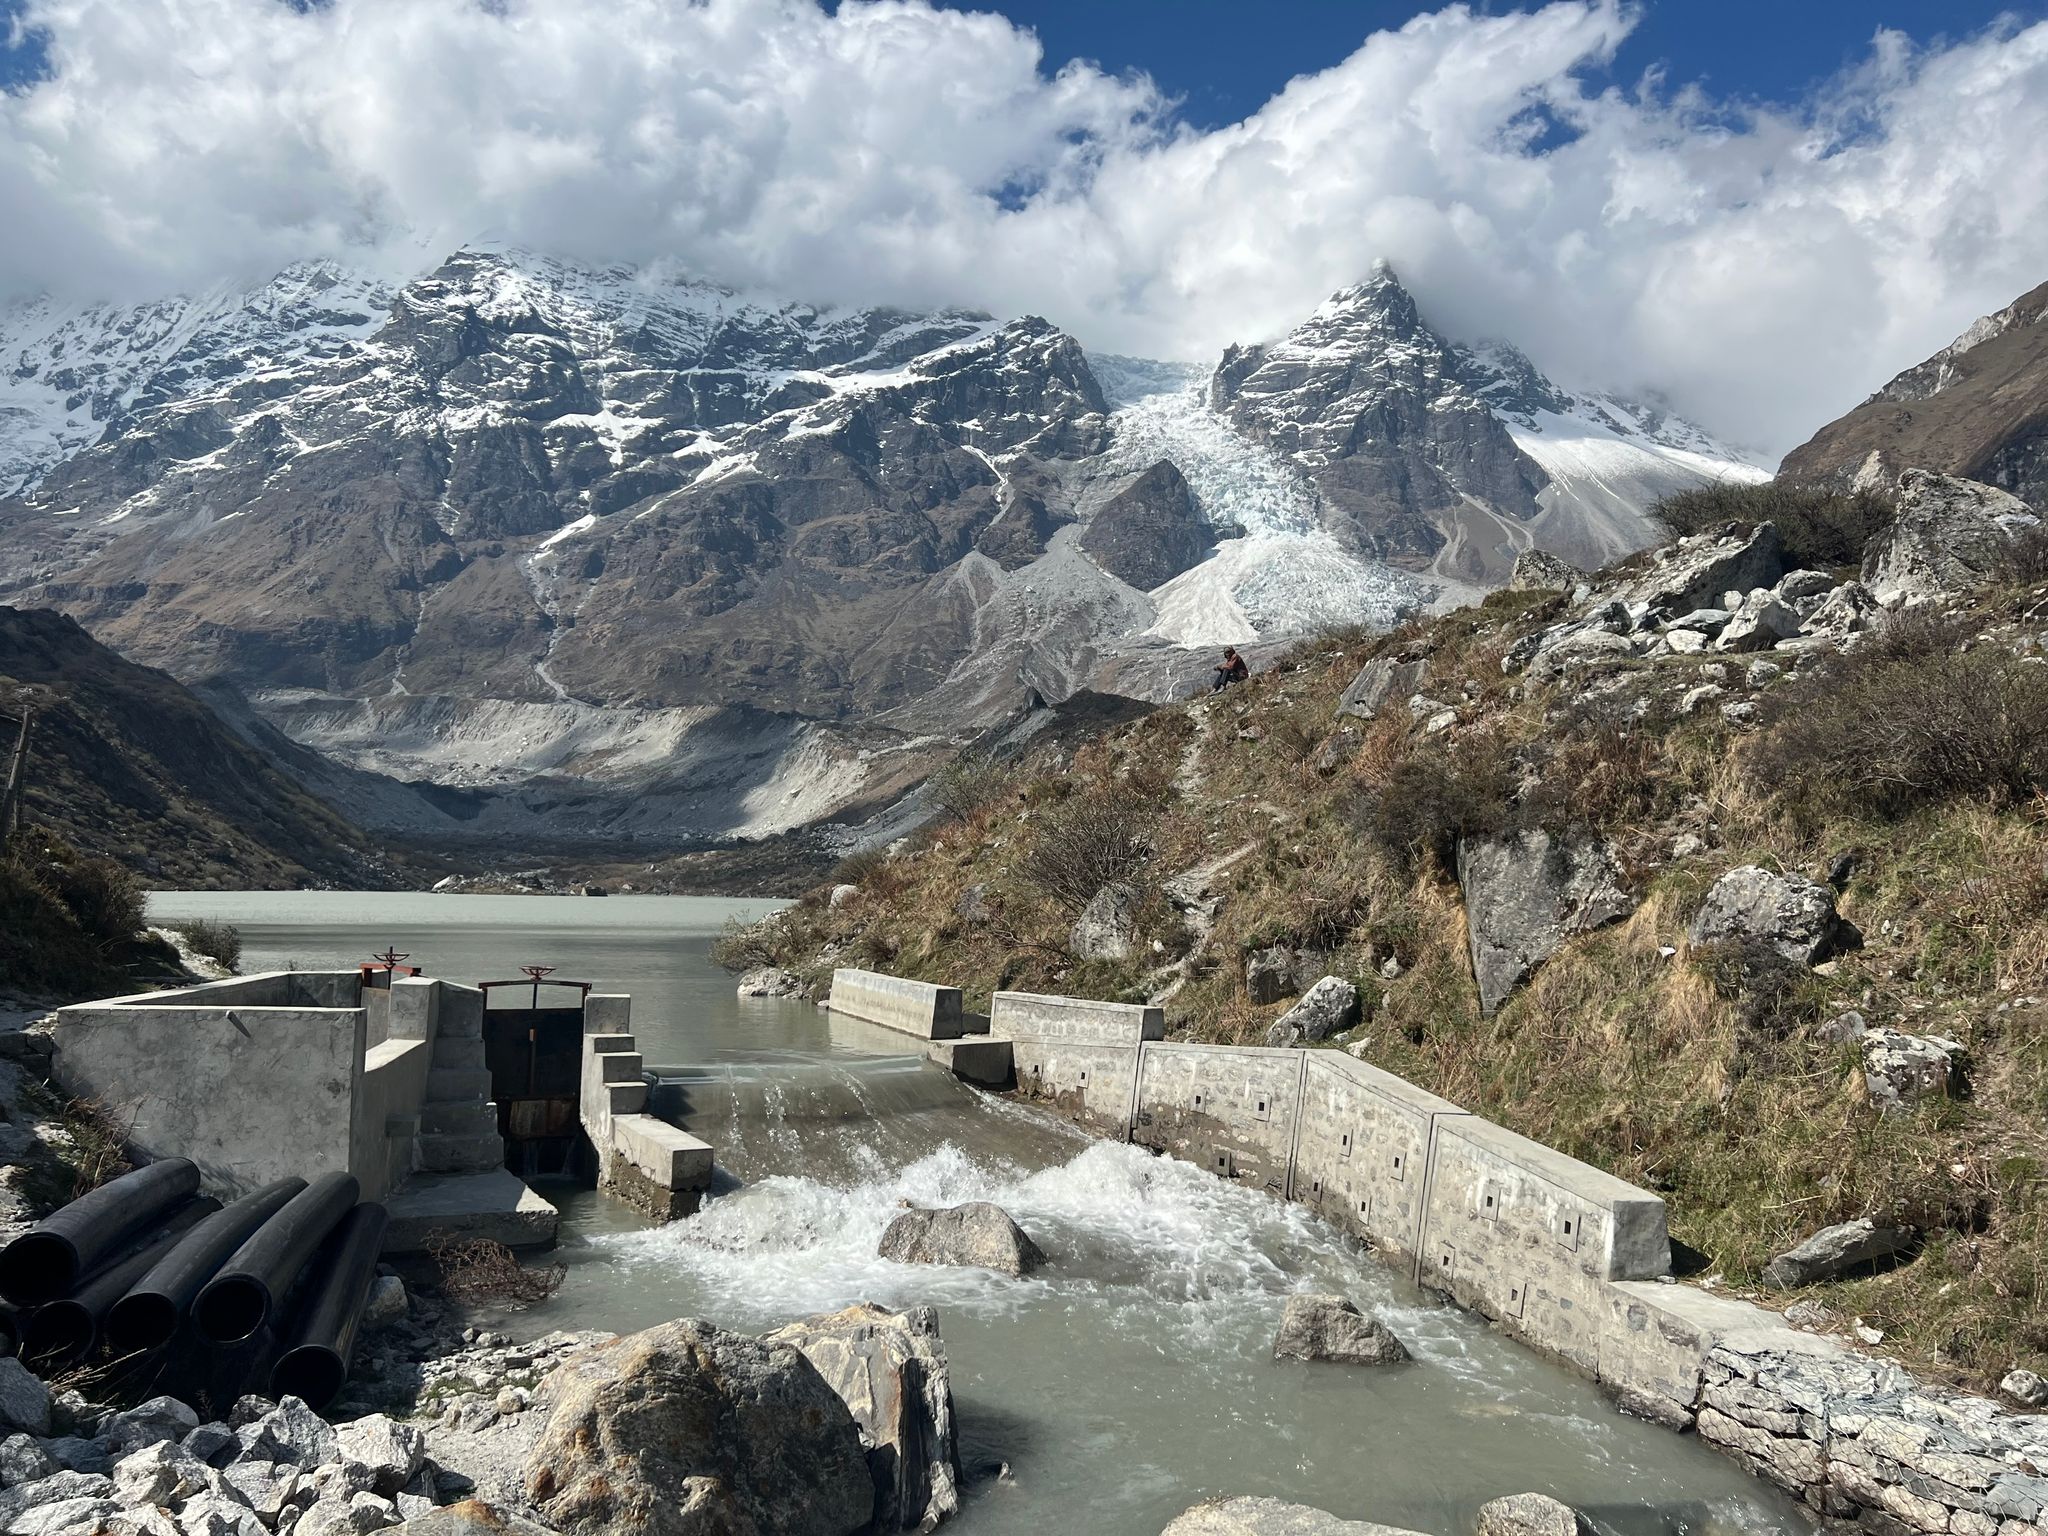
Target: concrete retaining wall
[[1076, 1020], [1361, 1159], [1530, 1237], [251, 1094], [1232, 1109], [915, 1007], [1092, 1085], [386, 1115], [653, 1166]]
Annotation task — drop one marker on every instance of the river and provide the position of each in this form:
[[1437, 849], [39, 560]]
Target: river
[[1129, 1378]]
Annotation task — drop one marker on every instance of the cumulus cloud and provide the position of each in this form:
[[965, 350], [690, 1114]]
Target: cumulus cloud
[[1764, 267]]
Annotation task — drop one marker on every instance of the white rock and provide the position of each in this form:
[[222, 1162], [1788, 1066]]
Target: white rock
[[24, 1401], [391, 1450], [388, 1303]]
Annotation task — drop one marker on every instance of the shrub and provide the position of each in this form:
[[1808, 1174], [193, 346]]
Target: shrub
[[104, 899], [1087, 842], [1821, 529], [2024, 560], [1435, 798], [745, 946], [221, 942], [1773, 995], [1898, 724], [969, 782]]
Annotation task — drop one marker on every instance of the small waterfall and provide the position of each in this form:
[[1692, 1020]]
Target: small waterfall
[[836, 1119]]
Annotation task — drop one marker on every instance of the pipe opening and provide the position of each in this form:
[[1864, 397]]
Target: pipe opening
[[141, 1321], [38, 1267], [312, 1373], [231, 1308], [61, 1331]]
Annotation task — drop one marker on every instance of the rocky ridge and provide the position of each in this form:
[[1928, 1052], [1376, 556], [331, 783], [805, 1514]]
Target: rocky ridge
[[525, 531]]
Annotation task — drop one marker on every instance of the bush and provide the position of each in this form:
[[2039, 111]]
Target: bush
[[2024, 560], [1907, 721], [1821, 530], [1435, 798], [221, 942], [746, 946], [105, 900], [1087, 842], [966, 784]]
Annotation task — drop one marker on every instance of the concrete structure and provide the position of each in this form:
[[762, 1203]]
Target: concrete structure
[[926, 1018], [651, 1165], [310, 1072], [1232, 1109], [913, 1007], [1076, 1020]]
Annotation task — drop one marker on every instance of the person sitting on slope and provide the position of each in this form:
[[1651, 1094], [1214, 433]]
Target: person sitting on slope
[[1232, 670]]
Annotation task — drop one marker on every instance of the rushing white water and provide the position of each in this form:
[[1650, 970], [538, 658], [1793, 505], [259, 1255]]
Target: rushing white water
[[1130, 1377]]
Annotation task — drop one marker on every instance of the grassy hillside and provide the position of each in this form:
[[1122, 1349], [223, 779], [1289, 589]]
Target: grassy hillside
[[1909, 771], [128, 765]]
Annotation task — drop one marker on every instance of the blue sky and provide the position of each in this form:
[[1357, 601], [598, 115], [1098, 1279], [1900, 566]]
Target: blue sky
[[1225, 58]]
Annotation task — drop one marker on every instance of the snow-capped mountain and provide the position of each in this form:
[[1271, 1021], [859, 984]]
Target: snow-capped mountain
[[536, 530]]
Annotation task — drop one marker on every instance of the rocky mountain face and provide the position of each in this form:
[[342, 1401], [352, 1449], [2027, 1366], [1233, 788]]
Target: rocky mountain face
[[1978, 408], [127, 764], [634, 557]]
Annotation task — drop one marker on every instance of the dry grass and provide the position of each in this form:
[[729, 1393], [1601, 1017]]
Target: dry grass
[[1699, 1075], [480, 1272]]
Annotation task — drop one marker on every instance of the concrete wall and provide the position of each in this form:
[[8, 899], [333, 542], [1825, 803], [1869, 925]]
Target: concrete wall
[[251, 1094], [653, 1166], [265, 989], [1092, 1085], [1076, 1020], [1231, 1109], [1530, 1237], [1362, 1156], [915, 1007], [386, 1115]]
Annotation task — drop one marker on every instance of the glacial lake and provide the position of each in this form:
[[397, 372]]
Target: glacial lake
[[1129, 1378]]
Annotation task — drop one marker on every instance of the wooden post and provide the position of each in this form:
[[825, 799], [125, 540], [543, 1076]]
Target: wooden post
[[17, 780]]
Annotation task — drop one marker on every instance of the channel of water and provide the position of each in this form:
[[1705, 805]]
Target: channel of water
[[1128, 1379]]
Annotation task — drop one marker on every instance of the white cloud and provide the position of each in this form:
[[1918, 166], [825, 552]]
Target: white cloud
[[1765, 267]]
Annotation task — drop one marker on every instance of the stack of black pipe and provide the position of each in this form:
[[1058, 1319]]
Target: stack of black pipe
[[178, 1293]]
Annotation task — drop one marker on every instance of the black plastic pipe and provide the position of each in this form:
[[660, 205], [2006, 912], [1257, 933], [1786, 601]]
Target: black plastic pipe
[[66, 1329], [244, 1295], [48, 1260], [323, 1336], [148, 1316]]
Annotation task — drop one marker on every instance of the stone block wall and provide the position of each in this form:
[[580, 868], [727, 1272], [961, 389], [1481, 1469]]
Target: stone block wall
[[1361, 1160], [915, 1007], [1231, 1109], [1077, 1020], [1092, 1085], [1530, 1237], [657, 1168]]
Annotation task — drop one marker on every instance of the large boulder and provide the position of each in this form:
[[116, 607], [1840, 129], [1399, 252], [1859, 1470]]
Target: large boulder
[[687, 1430], [1383, 680], [1107, 927], [1834, 1251], [1280, 970], [1789, 913], [1947, 539], [976, 1233], [1327, 1008], [1270, 1517], [1759, 623], [1525, 895], [890, 1371], [1848, 610], [1899, 1070], [1530, 1514], [1538, 570], [1322, 1327], [1693, 572]]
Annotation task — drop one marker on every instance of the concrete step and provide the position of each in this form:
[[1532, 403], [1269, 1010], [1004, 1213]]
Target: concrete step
[[459, 1117], [450, 1084], [493, 1204], [458, 1053], [461, 1153]]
